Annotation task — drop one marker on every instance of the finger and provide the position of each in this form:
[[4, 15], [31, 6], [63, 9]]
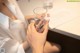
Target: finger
[[27, 33], [32, 26], [41, 30], [46, 27], [29, 28], [41, 26], [40, 22]]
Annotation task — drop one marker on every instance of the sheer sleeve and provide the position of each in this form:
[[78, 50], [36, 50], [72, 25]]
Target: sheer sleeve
[[10, 46]]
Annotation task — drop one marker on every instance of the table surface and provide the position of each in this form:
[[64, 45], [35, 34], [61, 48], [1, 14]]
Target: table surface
[[71, 29]]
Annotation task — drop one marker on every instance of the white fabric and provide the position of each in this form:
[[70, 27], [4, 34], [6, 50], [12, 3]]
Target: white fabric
[[3, 41], [11, 7], [20, 49], [18, 30], [4, 20], [14, 8], [13, 45]]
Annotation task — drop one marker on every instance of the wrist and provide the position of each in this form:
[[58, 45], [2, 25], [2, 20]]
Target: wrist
[[38, 49]]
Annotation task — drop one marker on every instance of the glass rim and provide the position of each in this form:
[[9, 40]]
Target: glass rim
[[34, 10]]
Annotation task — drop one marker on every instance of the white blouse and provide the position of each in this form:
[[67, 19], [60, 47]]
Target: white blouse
[[11, 31]]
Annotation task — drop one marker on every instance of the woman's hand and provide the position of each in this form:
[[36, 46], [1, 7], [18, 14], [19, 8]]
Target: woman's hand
[[36, 39]]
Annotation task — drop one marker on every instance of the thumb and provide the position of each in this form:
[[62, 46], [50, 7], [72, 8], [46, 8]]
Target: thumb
[[32, 26], [46, 27]]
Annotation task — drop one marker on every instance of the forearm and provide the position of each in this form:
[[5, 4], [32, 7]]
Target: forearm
[[25, 45]]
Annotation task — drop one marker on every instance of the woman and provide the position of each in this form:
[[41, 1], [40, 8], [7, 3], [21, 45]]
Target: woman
[[14, 44]]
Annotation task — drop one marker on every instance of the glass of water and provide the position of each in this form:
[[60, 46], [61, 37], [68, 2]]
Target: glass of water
[[41, 12]]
